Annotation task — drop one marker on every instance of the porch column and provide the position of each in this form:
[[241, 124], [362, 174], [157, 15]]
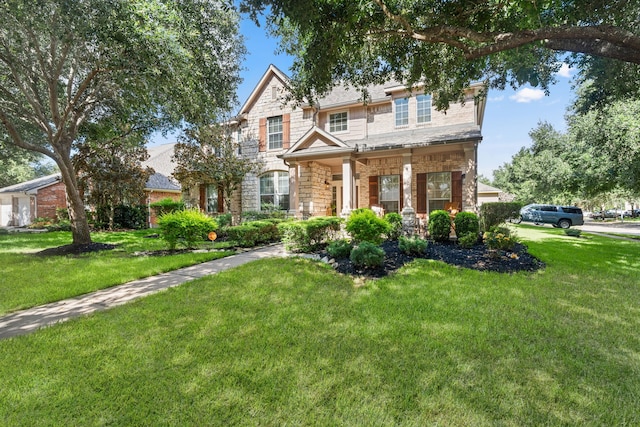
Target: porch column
[[408, 213], [294, 188], [469, 179], [348, 186]]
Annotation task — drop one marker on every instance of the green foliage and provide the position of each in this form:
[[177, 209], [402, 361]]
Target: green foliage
[[439, 225], [224, 219], [188, 227], [167, 205], [405, 38], [495, 213], [62, 225], [40, 223], [367, 254], [414, 245], [499, 239], [468, 240], [394, 220], [150, 64], [340, 248], [309, 235], [124, 217], [365, 226], [253, 233], [465, 223]]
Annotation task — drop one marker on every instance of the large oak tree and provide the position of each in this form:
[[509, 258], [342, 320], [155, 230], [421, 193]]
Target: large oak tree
[[67, 62], [446, 44]]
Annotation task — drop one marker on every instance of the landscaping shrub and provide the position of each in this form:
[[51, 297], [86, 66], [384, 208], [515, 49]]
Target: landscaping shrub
[[465, 223], [367, 254], [167, 205], [394, 220], [61, 225], [495, 213], [414, 245], [468, 240], [439, 225], [187, 227], [254, 232], [365, 226], [340, 248], [40, 223], [499, 240], [224, 219], [310, 234]]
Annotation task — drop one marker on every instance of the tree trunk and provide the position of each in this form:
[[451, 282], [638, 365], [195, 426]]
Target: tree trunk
[[77, 215]]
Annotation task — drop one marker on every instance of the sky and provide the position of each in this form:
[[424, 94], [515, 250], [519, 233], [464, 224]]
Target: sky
[[509, 116]]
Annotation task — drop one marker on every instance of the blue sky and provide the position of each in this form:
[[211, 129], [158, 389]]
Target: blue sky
[[510, 115]]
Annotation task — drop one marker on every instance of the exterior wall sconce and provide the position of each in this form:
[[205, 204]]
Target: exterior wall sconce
[[326, 184]]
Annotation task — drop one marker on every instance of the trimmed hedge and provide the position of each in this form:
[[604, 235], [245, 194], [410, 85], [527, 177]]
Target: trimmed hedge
[[495, 213], [394, 220], [439, 225], [167, 205], [414, 245], [253, 233], [365, 226], [188, 227], [466, 223], [311, 234]]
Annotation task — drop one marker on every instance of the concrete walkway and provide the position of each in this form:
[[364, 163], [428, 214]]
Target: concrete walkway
[[29, 320]]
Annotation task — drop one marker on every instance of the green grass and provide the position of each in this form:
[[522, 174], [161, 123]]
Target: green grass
[[28, 280], [294, 343]]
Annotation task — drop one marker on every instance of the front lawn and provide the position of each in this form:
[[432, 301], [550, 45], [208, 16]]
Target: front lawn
[[29, 280], [292, 342]]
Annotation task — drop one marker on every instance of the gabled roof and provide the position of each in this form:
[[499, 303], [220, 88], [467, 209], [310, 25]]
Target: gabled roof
[[314, 135], [33, 185], [271, 72]]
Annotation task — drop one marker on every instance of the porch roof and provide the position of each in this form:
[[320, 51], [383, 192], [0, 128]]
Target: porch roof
[[410, 138]]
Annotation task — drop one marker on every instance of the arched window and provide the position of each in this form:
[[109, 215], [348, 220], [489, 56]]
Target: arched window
[[274, 190]]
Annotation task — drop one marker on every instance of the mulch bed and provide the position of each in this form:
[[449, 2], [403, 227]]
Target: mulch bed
[[478, 257]]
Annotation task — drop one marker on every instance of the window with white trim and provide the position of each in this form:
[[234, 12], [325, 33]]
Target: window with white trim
[[212, 198], [424, 108], [389, 189], [402, 111], [339, 122], [438, 190], [274, 132], [274, 190]]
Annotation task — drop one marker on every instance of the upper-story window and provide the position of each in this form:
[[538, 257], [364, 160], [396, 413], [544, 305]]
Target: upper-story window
[[274, 132], [402, 112], [338, 122], [424, 108]]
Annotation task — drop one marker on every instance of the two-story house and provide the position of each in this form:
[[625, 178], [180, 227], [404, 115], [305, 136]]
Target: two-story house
[[393, 151]]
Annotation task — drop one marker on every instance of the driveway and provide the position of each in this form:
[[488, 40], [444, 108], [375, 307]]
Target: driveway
[[616, 227]]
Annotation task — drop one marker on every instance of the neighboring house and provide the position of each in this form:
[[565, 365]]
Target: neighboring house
[[161, 184], [394, 152], [21, 203], [487, 193]]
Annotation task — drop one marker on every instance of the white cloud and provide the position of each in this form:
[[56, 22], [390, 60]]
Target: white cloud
[[565, 71], [496, 98], [527, 95]]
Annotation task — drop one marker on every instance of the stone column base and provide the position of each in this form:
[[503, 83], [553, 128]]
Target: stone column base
[[408, 221]]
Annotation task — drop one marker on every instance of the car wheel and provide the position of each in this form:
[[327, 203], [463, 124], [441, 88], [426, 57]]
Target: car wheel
[[517, 220], [564, 223]]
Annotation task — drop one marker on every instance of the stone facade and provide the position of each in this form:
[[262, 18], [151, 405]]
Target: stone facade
[[334, 149]]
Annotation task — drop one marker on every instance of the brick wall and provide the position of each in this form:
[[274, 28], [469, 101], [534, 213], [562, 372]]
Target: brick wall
[[49, 199]]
